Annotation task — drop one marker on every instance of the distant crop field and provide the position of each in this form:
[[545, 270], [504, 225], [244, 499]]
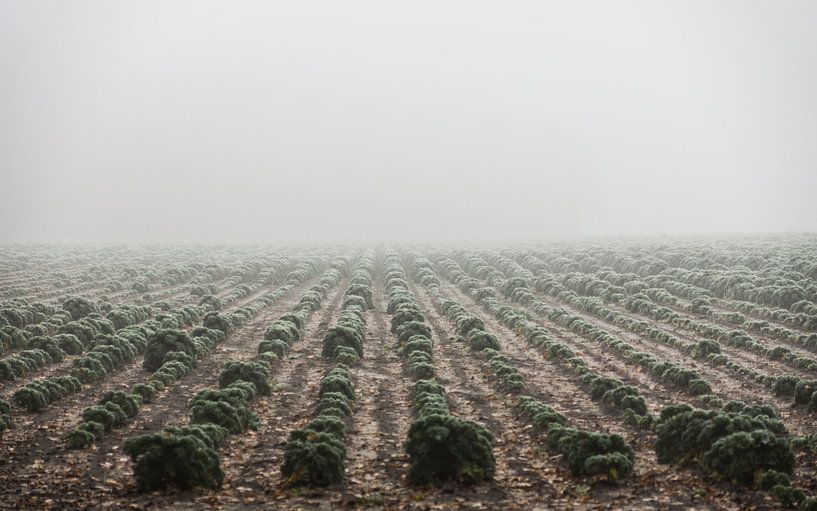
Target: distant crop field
[[639, 374]]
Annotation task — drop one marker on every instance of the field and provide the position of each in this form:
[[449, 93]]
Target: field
[[635, 374]]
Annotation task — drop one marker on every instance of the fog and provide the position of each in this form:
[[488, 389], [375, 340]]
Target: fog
[[308, 121]]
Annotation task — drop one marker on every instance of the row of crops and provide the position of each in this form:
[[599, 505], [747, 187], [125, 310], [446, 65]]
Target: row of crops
[[744, 443], [714, 345]]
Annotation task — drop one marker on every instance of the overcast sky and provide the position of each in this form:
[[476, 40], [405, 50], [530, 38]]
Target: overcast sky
[[307, 120]]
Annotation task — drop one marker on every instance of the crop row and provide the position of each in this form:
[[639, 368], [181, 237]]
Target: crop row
[[187, 457], [746, 444], [171, 355], [316, 454], [622, 396], [441, 447], [781, 284], [108, 349], [707, 349], [585, 453]]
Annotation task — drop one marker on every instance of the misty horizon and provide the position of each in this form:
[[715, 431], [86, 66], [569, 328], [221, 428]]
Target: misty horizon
[[203, 122]]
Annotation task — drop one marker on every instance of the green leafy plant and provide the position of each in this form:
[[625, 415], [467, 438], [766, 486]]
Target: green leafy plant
[[442, 448], [183, 457], [164, 342]]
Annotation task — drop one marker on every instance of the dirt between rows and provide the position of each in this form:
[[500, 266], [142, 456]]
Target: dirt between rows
[[7, 388], [653, 485], [764, 339], [725, 383], [37, 471], [722, 307], [772, 366], [739, 355]]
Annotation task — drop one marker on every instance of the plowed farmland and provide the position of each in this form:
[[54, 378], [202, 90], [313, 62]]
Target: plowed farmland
[[638, 374]]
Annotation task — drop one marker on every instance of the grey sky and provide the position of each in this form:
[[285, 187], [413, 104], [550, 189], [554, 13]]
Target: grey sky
[[437, 120]]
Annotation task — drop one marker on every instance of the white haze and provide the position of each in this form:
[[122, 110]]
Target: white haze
[[265, 121]]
